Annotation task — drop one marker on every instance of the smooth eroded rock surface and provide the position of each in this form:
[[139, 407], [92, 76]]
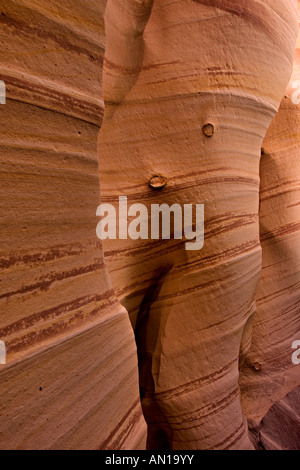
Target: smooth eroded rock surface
[[191, 100], [190, 90], [71, 377], [277, 320]]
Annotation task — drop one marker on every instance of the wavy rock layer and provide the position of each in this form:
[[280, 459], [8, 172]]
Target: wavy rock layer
[[280, 428], [71, 356], [71, 379], [277, 320], [192, 311]]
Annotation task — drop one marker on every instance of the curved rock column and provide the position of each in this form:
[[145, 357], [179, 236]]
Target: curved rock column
[[269, 372], [171, 68]]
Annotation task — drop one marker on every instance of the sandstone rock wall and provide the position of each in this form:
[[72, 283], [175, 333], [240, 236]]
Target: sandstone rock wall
[[71, 378], [71, 374], [277, 319], [193, 312], [269, 374], [280, 428]]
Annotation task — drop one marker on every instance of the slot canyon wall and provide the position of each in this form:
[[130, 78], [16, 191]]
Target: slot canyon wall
[[71, 375], [214, 336], [276, 322]]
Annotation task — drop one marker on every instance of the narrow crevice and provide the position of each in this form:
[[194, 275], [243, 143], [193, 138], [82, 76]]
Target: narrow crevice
[[158, 429]]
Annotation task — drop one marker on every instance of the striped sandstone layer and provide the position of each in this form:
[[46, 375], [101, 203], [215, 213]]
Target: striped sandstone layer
[[280, 428], [277, 320], [71, 374], [170, 68], [71, 377]]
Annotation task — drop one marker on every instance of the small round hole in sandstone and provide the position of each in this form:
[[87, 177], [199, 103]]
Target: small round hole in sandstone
[[257, 366], [208, 129], [158, 182], [41, 389]]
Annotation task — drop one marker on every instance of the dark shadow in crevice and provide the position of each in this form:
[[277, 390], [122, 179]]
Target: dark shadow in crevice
[[158, 428]]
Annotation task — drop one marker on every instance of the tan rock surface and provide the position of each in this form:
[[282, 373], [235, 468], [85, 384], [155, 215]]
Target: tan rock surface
[[199, 62], [280, 427], [277, 319], [190, 89], [71, 375]]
